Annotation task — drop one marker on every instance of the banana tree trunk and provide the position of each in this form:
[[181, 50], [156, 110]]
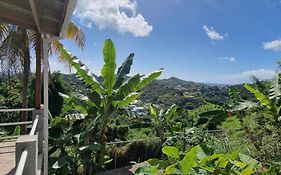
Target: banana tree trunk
[[102, 137], [87, 169], [101, 153], [25, 76]]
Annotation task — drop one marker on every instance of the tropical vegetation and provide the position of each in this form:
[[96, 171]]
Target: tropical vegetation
[[16, 44], [182, 128], [84, 142]]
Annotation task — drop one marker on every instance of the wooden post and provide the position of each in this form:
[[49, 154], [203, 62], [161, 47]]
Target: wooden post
[[38, 50]]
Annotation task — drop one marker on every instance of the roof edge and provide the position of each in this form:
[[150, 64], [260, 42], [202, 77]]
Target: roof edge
[[70, 8]]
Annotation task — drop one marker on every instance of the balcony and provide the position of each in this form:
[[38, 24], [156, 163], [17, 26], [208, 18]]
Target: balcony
[[23, 154]]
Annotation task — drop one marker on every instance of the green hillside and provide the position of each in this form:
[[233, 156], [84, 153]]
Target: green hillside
[[186, 94]]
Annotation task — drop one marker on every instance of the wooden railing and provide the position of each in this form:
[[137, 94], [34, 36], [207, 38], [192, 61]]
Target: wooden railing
[[29, 148]]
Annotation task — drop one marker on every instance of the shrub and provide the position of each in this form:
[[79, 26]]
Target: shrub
[[199, 161]]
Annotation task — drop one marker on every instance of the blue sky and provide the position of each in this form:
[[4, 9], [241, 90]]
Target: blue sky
[[214, 41]]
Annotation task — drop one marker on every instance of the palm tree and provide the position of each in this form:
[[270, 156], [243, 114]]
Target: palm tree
[[15, 46]]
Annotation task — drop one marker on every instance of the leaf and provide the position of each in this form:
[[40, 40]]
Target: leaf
[[123, 70], [259, 95], [108, 70], [128, 87], [154, 162], [201, 153], [79, 102], [63, 95], [95, 98], [82, 71], [171, 151], [94, 147], [153, 170], [171, 111], [243, 105], [222, 161], [248, 160], [108, 161], [239, 164], [171, 169], [62, 161], [205, 161], [85, 133], [74, 32], [17, 131], [208, 114], [153, 111], [275, 89], [149, 78], [234, 95], [247, 171], [126, 101], [189, 160], [234, 155], [56, 121]]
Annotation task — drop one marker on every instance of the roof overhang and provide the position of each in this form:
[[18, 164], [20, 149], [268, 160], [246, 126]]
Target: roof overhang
[[47, 16]]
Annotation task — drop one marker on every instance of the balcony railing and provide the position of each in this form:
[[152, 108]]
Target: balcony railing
[[29, 148]]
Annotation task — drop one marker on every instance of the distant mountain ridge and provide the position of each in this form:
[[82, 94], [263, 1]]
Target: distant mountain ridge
[[165, 92], [186, 94]]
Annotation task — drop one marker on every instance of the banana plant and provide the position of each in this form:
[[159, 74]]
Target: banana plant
[[211, 119], [116, 91], [270, 102], [162, 119], [67, 151]]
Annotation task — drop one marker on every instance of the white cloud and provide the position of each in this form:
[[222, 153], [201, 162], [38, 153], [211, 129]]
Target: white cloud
[[245, 76], [230, 59], [213, 34], [272, 45], [119, 15]]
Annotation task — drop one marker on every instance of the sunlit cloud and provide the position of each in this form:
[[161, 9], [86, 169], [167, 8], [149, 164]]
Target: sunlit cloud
[[118, 15], [272, 45]]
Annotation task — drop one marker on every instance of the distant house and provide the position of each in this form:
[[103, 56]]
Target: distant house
[[139, 111]]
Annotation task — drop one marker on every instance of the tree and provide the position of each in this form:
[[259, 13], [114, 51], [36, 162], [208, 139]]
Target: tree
[[269, 101], [16, 44], [103, 98], [260, 117], [56, 86], [163, 120]]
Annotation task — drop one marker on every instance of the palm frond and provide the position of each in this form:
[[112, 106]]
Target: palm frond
[[74, 32], [10, 51], [3, 27]]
